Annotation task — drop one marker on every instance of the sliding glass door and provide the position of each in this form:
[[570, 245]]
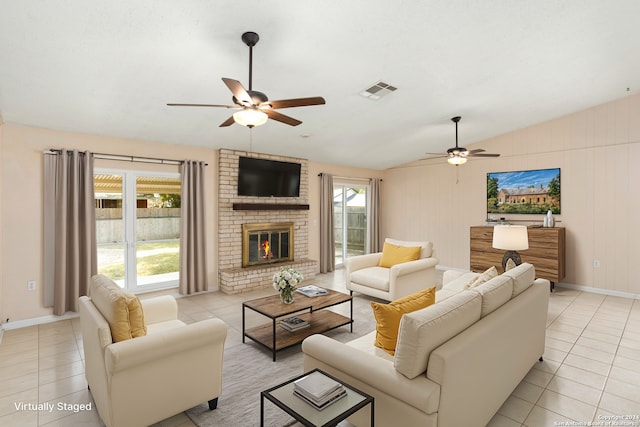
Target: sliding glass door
[[350, 220], [138, 228]]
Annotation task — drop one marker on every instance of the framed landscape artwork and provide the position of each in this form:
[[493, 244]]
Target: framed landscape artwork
[[523, 192]]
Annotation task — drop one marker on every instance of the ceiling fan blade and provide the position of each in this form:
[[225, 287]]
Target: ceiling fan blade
[[203, 105], [298, 102], [282, 118], [238, 91], [437, 156], [228, 122], [483, 155], [477, 150]]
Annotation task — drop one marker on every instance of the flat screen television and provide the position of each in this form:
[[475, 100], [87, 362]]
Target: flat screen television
[[523, 192], [268, 178]]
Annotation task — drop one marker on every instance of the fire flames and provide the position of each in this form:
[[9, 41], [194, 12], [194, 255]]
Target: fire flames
[[266, 250]]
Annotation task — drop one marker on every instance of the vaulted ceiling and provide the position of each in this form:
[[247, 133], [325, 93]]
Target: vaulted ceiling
[[110, 68]]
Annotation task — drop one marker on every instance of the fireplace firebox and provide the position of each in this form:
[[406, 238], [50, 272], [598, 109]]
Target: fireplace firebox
[[267, 243]]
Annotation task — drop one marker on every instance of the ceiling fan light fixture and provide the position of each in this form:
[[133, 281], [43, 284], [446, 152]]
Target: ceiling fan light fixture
[[250, 117], [457, 160]]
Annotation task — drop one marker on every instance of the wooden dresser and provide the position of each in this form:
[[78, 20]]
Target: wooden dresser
[[546, 251]]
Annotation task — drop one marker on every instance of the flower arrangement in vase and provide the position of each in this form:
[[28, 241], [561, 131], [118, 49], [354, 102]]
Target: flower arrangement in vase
[[285, 282]]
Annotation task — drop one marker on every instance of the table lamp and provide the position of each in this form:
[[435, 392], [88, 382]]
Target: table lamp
[[511, 238]]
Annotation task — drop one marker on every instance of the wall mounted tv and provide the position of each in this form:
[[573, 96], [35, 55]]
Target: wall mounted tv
[[523, 192], [268, 178]]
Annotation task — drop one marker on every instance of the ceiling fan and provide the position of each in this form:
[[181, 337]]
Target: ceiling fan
[[458, 155], [254, 107]]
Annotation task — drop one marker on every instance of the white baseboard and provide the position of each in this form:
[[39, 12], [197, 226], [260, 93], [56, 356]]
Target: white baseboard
[[37, 321], [593, 290]]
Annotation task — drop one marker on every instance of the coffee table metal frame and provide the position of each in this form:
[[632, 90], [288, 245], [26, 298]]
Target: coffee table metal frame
[[282, 396], [310, 309]]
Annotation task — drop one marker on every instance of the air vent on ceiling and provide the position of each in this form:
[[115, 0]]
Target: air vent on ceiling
[[378, 90]]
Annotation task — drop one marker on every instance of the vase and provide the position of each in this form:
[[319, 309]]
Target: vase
[[551, 222], [286, 296]]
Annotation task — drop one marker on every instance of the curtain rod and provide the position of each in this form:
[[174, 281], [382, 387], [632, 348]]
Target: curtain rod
[[132, 159], [348, 177]]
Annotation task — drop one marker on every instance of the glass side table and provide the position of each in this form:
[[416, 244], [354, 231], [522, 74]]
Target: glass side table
[[282, 396]]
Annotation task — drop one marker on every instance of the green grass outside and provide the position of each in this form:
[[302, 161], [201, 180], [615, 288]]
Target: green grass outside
[[152, 258]]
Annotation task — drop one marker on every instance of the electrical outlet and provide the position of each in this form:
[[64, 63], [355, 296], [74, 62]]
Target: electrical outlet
[[596, 263], [31, 285]]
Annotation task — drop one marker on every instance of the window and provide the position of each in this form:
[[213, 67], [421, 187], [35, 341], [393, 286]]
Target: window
[[138, 228]]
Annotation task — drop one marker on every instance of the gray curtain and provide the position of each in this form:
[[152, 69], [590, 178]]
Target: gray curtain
[[193, 235], [69, 229], [327, 248], [375, 245]]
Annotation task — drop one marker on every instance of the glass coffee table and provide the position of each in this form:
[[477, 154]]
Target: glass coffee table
[[310, 309], [282, 396]]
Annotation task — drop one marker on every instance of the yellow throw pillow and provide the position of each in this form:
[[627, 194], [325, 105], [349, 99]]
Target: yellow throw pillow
[[136, 316], [120, 309], [394, 254], [388, 316], [487, 275]]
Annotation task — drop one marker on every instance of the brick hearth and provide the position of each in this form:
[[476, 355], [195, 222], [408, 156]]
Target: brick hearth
[[233, 277]]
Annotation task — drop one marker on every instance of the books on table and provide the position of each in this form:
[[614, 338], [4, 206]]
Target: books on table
[[319, 390], [312, 291], [293, 323]]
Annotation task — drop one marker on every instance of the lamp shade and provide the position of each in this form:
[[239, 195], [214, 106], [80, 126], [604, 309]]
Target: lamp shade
[[510, 237], [250, 117]]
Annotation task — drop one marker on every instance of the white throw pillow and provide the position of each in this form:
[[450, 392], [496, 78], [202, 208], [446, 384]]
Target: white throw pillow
[[487, 275]]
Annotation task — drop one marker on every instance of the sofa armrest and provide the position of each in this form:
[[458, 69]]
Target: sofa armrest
[[136, 352], [159, 309], [413, 266], [374, 371], [451, 275]]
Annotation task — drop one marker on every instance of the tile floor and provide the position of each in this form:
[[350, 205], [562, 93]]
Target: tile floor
[[591, 370]]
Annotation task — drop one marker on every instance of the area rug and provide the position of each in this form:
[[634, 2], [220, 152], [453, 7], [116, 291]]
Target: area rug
[[248, 369]]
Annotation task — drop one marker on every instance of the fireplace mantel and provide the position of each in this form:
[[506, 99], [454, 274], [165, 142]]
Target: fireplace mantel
[[269, 207]]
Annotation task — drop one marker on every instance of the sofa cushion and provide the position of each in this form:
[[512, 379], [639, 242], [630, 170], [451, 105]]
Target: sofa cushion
[[444, 293], [374, 277], [388, 316], [494, 293], [366, 344], [122, 310], [424, 330], [394, 254], [425, 252], [523, 277], [487, 275]]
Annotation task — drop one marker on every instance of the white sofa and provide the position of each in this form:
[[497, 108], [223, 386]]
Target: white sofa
[[456, 361], [363, 274], [140, 381]]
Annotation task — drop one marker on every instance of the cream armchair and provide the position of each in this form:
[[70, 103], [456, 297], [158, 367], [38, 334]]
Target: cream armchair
[[364, 275], [143, 380]]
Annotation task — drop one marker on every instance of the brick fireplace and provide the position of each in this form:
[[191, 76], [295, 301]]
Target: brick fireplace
[[240, 216]]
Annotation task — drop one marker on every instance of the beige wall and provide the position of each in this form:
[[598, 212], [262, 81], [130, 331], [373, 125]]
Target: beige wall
[[598, 151], [21, 213]]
